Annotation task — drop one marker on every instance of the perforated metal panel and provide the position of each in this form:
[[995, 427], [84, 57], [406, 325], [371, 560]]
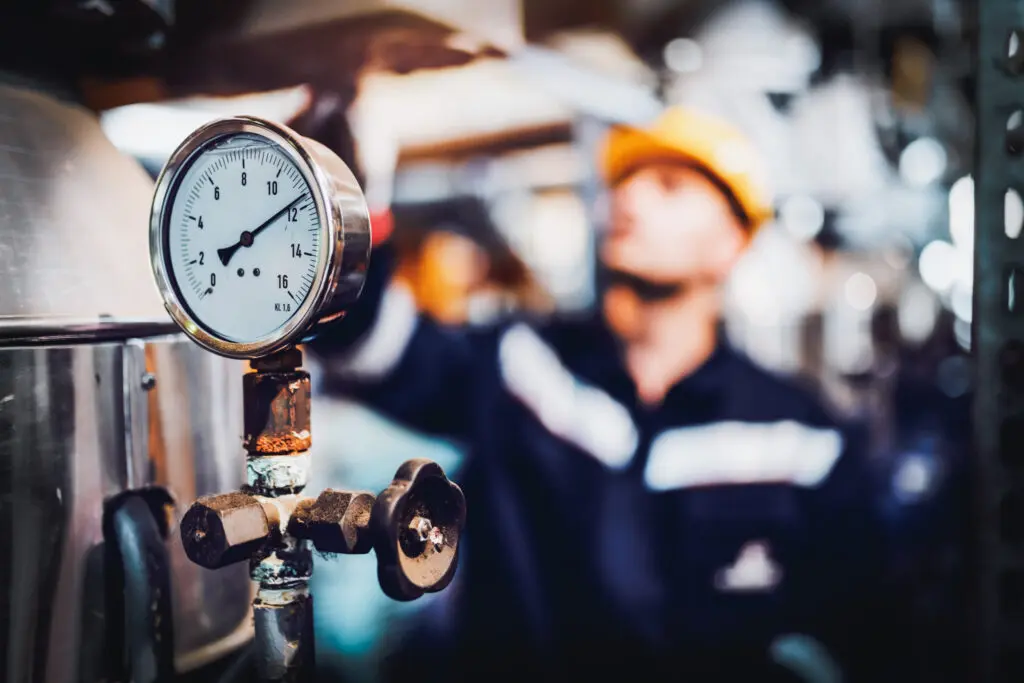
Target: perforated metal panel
[[999, 347]]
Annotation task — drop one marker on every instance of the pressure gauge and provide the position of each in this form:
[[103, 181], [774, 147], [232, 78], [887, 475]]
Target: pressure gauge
[[257, 235]]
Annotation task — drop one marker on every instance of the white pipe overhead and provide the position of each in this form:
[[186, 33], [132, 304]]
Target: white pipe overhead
[[499, 22]]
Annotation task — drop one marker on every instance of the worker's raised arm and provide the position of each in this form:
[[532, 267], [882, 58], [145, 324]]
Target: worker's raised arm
[[397, 361]]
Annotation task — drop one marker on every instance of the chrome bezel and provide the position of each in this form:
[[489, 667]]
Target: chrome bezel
[[331, 235]]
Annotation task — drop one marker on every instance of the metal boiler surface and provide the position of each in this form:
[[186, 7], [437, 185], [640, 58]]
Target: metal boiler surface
[[81, 422], [74, 255], [77, 427]]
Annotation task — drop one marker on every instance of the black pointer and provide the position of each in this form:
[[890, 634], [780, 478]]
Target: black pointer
[[247, 237]]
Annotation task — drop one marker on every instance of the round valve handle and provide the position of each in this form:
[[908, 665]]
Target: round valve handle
[[416, 525]]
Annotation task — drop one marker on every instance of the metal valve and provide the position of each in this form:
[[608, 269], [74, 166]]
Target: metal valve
[[416, 525], [336, 522]]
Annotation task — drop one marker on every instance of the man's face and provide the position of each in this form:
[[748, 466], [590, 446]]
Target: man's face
[[671, 225]]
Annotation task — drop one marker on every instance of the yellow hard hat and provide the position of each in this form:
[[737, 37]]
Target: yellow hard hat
[[687, 135]]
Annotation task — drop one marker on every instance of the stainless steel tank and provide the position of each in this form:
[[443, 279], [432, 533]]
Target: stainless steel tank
[[100, 400]]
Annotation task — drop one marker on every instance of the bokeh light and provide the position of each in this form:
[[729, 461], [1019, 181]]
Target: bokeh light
[[803, 217], [923, 162], [960, 301], [861, 291], [683, 55], [1013, 213], [937, 264], [961, 212]]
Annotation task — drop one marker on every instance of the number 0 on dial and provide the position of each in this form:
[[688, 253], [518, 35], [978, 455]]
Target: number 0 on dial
[[257, 234]]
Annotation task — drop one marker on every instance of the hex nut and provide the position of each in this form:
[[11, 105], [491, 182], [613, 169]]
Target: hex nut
[[225, 529], [336, 522]]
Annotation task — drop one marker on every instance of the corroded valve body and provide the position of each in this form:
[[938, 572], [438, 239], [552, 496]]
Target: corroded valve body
[[414, 525]]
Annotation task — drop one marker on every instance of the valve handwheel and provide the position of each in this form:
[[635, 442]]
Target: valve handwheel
[[416, 525]]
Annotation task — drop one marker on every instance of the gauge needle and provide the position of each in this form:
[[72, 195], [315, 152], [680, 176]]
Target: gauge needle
[[247, 236]]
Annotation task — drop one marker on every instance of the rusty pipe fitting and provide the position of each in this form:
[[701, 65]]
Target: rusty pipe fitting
[[336, 522], [276, 420], [221, 530], [277, 424]]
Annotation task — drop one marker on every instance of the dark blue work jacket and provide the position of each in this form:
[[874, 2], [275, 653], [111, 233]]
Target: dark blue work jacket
[[697, 537]]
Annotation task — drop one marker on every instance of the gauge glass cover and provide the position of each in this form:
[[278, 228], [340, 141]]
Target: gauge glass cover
[[242, 238]]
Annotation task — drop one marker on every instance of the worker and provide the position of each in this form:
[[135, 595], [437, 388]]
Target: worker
[[639, 493]]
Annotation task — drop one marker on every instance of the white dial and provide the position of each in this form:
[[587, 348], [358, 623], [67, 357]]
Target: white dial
[[243, 238], [257, 237]]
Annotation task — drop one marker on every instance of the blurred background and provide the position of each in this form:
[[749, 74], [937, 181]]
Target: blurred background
[[860, 287]]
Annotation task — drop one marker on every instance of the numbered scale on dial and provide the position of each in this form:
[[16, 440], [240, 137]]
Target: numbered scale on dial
[[257, 235]]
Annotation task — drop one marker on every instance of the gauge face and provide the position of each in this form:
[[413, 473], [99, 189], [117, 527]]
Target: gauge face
[[243, 240]]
